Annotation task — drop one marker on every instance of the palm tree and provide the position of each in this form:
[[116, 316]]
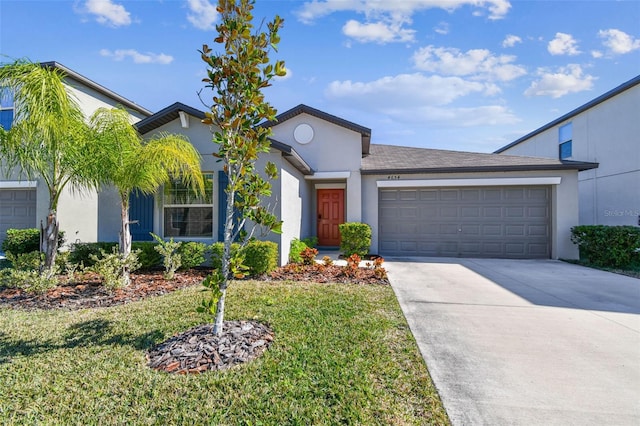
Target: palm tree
[[48, 139], [129, 163]]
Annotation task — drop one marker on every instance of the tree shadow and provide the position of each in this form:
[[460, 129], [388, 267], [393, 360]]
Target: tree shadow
[[97, 332]]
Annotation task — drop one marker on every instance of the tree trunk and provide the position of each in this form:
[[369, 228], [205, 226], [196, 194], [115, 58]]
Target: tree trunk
[[219, 321], [49, 243], [226, 262], [125, 239]]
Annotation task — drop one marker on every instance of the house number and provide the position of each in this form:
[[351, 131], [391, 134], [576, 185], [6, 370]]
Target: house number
[[393, 177]]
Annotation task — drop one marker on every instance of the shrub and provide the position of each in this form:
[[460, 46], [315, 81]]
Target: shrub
[[171, 259], [29, 280], [608, 246], [355, 238], [260, 257], [295, 249], [311, 241], [84, 253], [110, 267], [148, 256], [308, 256], [20, 241], [352, 268], [216, 253], [26, 261], [192, 254]]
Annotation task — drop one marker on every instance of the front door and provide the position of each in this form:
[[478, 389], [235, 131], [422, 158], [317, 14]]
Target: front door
[[330, 215]]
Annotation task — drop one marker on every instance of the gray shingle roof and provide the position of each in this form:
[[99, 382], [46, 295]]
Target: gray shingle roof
[[402, 159]]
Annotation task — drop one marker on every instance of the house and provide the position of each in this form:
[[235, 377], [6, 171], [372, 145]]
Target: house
[[24, 204], [418, 202], [605, 130]]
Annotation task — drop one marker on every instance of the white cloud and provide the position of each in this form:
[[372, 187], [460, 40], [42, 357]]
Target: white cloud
[[511, 40], [563, 44], [569, 79], [618, 42], [408, 90], [108, 13], [378, 32], [137, 57], [478, 63], [442, 28], [460, 117], [385, 19], [596, 54], [203, 14]]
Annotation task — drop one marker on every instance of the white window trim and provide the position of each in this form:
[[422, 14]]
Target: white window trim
[[469, 182], [18, 184], [212, 205]]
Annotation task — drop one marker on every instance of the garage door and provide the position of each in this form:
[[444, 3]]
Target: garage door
[[17, 210], [501, 222]]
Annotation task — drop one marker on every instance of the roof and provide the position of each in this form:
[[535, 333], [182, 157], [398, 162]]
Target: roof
[[97, 87], [170, 113], [408, 160], [166, 115], [305, 109], [610, 94]]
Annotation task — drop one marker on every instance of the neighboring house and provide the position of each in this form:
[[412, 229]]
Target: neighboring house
[[24, 204], [418, 202], [607, 131]]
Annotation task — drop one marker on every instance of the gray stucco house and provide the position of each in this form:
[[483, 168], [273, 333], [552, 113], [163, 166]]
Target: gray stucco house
[[605, 130], [418, 202]]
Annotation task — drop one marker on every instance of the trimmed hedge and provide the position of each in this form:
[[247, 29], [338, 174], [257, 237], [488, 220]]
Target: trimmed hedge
[[355, 238], [81, 252], [21, 241], [608, 246]]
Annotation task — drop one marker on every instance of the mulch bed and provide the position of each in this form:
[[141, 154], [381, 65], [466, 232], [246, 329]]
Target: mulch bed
[[195, 350]]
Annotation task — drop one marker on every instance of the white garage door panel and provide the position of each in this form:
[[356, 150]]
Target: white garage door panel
[[506, 222], [17, 210]]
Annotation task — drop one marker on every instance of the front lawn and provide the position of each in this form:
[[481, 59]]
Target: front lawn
[[342, 354]]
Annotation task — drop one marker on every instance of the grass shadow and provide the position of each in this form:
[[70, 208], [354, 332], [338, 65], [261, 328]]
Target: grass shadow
[[97, 332]]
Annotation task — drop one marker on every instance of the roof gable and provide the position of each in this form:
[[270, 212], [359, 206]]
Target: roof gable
[[97, 87], [365, 132]]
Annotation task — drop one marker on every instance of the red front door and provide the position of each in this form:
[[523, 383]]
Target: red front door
[[330, 215]]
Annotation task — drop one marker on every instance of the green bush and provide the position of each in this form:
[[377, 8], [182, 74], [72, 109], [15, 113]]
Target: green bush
[[110, 266], [20, 241], [216, 253], [28, 280], [608, 246], [148, 257], [171, 259], [26, 261], [295, 250], [355, 238], [192, 254], [260, 257], [311, 242], [81, 253]]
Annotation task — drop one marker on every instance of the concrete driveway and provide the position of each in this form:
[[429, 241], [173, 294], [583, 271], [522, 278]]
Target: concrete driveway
[[525, 342]]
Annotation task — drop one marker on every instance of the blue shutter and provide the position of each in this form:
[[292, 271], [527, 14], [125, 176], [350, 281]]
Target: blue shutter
[[141, 209]]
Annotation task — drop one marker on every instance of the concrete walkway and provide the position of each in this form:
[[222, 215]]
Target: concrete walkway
[[526, 342]]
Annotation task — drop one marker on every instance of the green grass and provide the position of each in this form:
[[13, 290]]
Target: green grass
[[343, 354]]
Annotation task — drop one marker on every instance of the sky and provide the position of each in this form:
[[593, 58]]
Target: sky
[[466, 75]]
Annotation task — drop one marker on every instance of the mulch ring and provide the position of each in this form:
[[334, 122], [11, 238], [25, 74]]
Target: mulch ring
[[198, 350]]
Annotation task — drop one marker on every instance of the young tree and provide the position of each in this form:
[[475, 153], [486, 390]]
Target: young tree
[[129, 163], [48, 140], [237, 76]]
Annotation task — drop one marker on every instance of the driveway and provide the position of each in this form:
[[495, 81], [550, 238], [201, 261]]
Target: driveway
[[525, 342]]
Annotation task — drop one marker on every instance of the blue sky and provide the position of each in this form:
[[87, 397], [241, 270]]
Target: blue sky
[[467, 75]]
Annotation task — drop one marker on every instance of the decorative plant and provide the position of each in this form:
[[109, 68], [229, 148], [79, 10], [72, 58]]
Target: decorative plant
[[171, 259], [308, 256], [355, 238], [110, 267], [238, 76]]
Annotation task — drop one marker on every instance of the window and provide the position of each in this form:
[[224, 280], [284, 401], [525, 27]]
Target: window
[[187, 214], [6, 112], [565, 136]]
